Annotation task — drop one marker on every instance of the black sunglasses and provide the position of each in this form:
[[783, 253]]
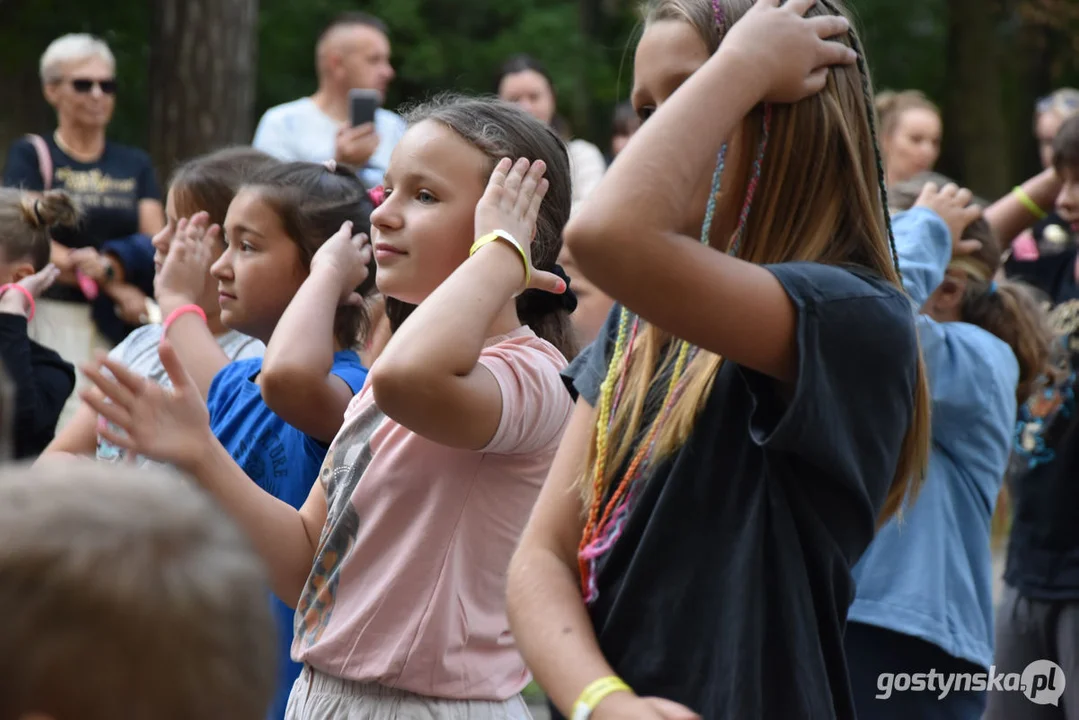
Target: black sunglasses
[[82, 85]]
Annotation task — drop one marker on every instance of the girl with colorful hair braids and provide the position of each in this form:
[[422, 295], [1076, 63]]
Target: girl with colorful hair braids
[[756, 404]]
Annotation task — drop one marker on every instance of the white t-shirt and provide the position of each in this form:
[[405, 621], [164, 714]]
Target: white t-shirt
[[299, 130], [138, 352]]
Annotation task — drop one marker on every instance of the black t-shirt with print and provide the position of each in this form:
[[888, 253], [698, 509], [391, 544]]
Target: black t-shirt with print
[[1043, 549], [108, 192], [729, 587]]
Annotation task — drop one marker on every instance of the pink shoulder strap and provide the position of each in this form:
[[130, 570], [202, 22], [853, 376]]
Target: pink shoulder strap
[[44, 159]]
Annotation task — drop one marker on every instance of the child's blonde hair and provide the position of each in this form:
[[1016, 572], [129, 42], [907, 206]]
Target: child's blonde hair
[[25, 219], [821, 199], [126, 594]]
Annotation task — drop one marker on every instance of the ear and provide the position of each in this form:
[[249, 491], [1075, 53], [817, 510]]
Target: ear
[[51, 91], [21, 271], [949, 296]]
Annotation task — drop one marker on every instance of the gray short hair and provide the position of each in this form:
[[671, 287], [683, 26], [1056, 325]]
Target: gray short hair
[[69, 48]]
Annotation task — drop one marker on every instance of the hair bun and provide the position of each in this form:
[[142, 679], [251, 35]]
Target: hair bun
[[54, 208]]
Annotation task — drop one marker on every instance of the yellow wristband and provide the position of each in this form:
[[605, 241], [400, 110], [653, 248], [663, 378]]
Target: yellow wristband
[[596, 691], [1028, 202], [506, 237]]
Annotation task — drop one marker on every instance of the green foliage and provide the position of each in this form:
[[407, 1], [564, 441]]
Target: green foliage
[[460, 46], [586, 44], [27, 28]]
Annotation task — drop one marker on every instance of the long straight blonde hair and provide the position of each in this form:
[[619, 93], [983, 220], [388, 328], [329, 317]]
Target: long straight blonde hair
[[821, 199]]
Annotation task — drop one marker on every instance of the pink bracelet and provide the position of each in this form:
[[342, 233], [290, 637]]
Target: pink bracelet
[[182, 310], [24, 291]]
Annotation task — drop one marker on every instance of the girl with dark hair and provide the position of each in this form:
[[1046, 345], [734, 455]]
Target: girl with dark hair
[[271, 420], [524, 81], [201, 190], [396, 562]]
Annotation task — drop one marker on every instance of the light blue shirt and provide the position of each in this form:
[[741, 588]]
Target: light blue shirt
[[929, 575], [298, 130]]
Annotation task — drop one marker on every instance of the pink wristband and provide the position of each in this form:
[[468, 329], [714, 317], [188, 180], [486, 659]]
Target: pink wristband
[[24, 291], [182, 310]]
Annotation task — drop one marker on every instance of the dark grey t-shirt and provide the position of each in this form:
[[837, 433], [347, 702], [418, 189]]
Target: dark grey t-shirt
[[729, 587]]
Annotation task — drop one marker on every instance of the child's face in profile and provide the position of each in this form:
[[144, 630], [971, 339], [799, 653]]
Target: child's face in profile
[[1068, 199]]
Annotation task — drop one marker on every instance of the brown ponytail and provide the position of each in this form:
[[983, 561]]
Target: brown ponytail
[[25, 219], [1011, 311], [313, 200]]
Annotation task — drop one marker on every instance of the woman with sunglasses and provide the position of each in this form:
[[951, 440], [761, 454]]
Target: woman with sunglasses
[[107, 262]]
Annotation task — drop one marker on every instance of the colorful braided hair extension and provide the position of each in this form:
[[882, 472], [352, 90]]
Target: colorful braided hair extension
[[871, 113], [606, 520]]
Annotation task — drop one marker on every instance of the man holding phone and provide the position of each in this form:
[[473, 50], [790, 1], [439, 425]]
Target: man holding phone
[[343, 120]]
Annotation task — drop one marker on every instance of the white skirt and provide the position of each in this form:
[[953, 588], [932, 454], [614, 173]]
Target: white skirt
[[67, 328]]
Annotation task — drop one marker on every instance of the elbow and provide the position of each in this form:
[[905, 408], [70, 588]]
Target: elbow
[[587, 236], [281, 384], [395, 386]]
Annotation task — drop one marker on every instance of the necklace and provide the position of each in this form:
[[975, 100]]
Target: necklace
[[74, 154]]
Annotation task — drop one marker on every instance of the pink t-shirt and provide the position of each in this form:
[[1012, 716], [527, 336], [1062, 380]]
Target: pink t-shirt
[[409, 582]]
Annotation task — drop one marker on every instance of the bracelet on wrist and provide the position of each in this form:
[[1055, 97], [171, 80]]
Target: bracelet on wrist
[[182, 310], [594, 693], [31, 305], [1028, 202], [509, 240]]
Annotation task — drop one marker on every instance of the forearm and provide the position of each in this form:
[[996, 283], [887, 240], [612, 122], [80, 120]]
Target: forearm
[[924, 245], [302, 345], [77, 437], [552, 627], [444, 336], [196, 346], [275, 529], [1008, 216]]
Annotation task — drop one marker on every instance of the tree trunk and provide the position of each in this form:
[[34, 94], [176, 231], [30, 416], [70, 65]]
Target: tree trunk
[[202, 77], [975, 137]]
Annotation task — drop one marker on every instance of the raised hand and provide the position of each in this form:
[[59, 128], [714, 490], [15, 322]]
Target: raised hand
[[40, 281], [170, 426], [184, 277], [952, 204], [15, 302], [511, 203], [346, 257], [91, 263], [354, 146], [786, 54]]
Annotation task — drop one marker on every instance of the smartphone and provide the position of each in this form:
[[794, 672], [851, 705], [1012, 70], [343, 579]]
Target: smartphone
[[362, 105]]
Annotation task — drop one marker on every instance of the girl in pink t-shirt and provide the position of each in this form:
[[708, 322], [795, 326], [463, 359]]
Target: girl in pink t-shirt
[[397, 561]]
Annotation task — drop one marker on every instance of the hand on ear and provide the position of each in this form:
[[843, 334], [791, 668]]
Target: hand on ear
[[36, 282], [952, 204]]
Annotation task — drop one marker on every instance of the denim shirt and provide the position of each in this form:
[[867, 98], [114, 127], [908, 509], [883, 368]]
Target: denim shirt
[[928, 574]]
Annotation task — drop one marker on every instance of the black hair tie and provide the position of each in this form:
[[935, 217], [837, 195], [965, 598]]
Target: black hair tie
[[540, 301]]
